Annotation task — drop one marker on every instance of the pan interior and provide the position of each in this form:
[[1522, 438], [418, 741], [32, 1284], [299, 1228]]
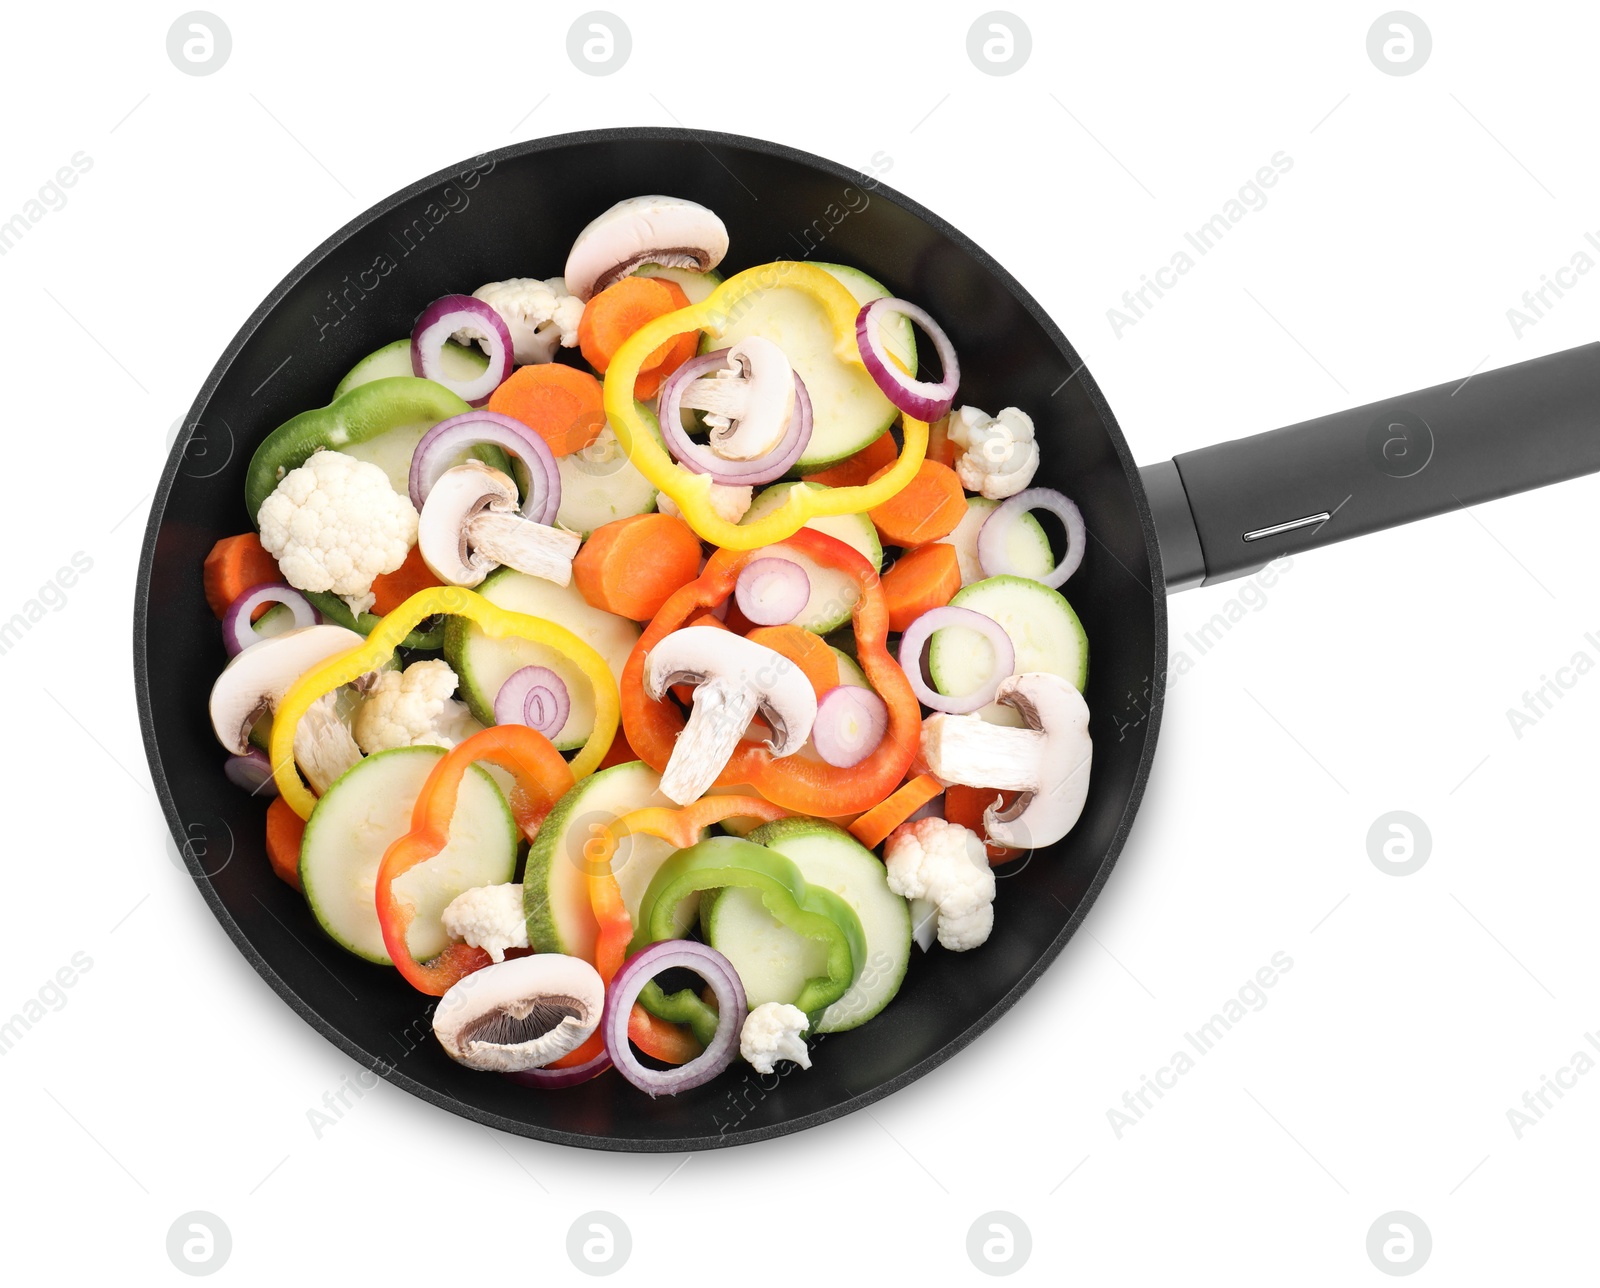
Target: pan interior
[[515, 213]]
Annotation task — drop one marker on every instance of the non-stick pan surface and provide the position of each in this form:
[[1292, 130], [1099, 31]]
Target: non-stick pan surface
[[514, 213]]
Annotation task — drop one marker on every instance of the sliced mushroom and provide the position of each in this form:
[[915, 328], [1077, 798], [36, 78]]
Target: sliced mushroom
[[668, 231], [749, 403], [1047, 762], [471, 525], [255, 681], [521, 1013], [733, 679], [324, 747]]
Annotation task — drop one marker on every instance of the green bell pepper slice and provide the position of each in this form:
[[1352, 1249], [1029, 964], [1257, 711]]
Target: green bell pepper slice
[[806, 909], [363, 413]]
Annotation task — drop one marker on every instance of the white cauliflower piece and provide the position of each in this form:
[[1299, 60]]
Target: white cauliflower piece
[[413, 708], [488, 917], [730, 504], [948, 865], [772, 1032], [1000, 455], [539, 315], [335, 524]]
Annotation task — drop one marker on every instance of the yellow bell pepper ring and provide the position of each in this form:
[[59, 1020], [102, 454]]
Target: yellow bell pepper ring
[[692, 491], [456, 601]]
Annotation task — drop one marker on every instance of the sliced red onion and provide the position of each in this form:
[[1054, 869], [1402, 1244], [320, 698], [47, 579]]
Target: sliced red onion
[[938, 619], [995, 534], [534, 696], [850, 724], [443, 445], [920, 399], [772, 591], [700, 458], [439, 322], [239, 632], [252, 772], [639, 970], [551, 1079]]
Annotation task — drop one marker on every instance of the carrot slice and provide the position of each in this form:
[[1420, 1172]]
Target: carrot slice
[[632, 566], [559, 403], [391, 589], [927, 508], [872, 828], [924, 578], [965, 805], [807, 651], [855, 470], [621, 309], [284, 830], [234, 565]]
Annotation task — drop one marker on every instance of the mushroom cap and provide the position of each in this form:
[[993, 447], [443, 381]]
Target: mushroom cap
[[1052, 705], [521, 1013], [255, 681], [768, 401], [460, 492], [644, 230], [697, 656]]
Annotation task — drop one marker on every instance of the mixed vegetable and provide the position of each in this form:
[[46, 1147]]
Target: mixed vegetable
[[733, 651]]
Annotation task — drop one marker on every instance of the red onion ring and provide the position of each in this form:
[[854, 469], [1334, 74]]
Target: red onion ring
[[938, 619], [441, 320], [701, 459], [772, 591], [636, 972], [442, 446], [239, 632], [996, 531], [552, 1079], [849, 726], [252, 772], [534, 696], [920, 399]]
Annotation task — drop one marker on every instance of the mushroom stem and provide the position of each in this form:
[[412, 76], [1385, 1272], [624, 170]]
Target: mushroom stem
[[512, 541], [323, 744], [1047, 762], [974, 753], [721, 714]]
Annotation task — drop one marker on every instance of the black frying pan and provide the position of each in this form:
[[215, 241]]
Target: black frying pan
[[1206, 516]]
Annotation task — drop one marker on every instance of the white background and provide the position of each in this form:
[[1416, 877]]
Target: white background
[[1376, 676]]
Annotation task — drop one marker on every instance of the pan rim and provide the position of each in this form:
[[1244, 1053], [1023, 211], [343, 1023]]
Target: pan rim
[[386, 1068]]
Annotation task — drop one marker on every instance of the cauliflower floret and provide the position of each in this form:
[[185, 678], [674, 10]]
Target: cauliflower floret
[[1000, 456], [772, 1032], [948, 865], [730, 504], [336, 524], [488, 917], [413, 708], [539, 315]]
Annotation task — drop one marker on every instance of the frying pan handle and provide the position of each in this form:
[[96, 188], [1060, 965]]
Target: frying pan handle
[[1226, 511]]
